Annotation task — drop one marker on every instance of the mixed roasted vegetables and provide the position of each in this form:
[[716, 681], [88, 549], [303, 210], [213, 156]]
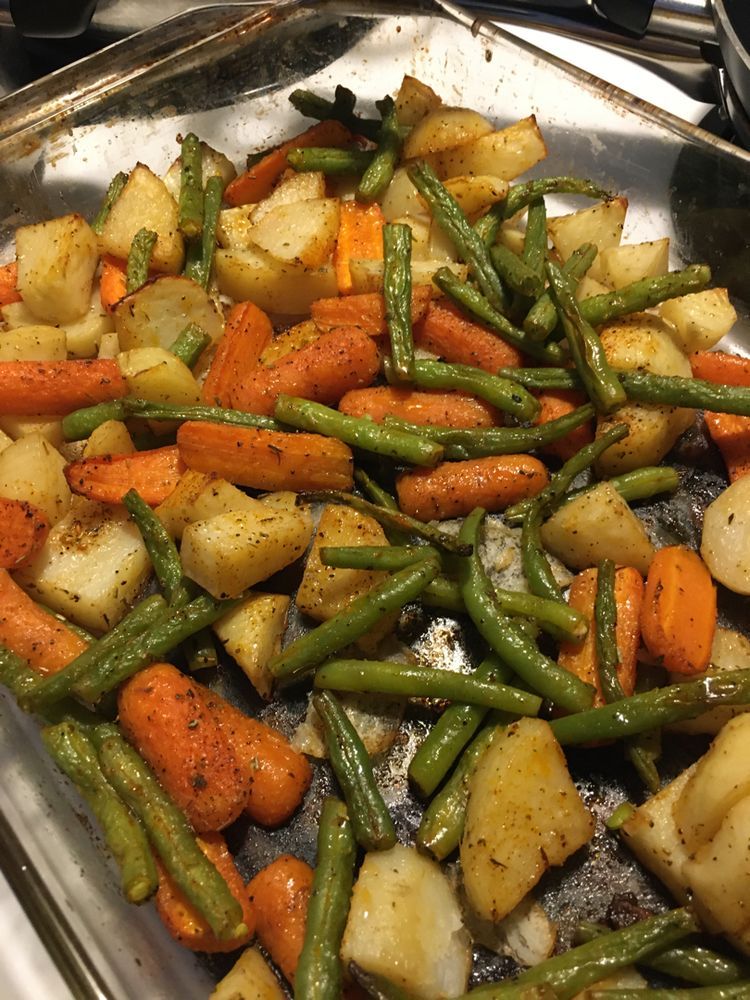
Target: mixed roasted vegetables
[[341, 359]]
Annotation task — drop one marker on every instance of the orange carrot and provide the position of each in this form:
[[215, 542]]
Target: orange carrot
[[108, 478], [257, 182], [113, 282], [731, 434], [24, 532], [31, 388], [360, 238], [678, 618], [366, 310], [280, 893], [165, 715], [276, 774], [247, 333], [33, 633], [447, 332], [454, 489], [556, 404], [8, 278], [441, 409], [718, 366], [181, 918], [580, 658], [266, 460], [323, 371]]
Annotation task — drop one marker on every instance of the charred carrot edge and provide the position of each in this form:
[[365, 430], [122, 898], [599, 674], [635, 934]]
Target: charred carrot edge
[[720, 367], [24, 532], [360, 237], [447, 332], [559, 403], [247, 333], [731, 434], [581, 659], [365, 310], [340, 360], [8, 278], [153, 474], [113, 284], [183, 921], [440, 409], [266, 460], [257, 182], [678, 618], [280, 893], [454, 489], [33, 633], [31, 388]]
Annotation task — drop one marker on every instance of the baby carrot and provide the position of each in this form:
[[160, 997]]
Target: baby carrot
[[30, 388], [731, 435], [153, 474], [24, 532], [721, 367], [113, 283], [247, 332], [557, 403], [8, 277], [366, 310], [443, 409], [449, 333], [280, 894], [360, 237]]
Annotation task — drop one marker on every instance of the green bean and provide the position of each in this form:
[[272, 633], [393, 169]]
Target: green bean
[[605, 632], [190, 202], [738, 990], [644, 750], [371, 822], [640, 484], [359, 432], [450, 217], [114, 191], [620, 816], [541, 319], [200, 651], [161, 549], [357, 618], [502, 393], [599, 378], [390, 519], [644, 294], [319, 974], [504, 637], [375, 491], [535, 243], [190, 344], [341, 109], [379, 173], [442, 821], [375, 557], [409, 681], [76, 756], [451, 733], [641, 712], [200, 253], [515, 272], [536, 566], [375, 986], [171, 836], [17, 675], [543, 378], [139, 259], [574, 970], [325, 160], [397, 295], [444, 594], [471, 301]]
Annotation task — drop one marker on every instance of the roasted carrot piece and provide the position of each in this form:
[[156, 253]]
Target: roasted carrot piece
[[556, 404], [276, 774], [257, 182], [165, 715], [24, 532], [112, 282], [266, 460], [323, 371], [366, 310], [280, 893], [441, 409], [581, 659], [454, 489], [731, 434], [360, 237], [31, 388], [718, 366], [107, 478], [8, 278], [183, 921], [247, 333], [445, 331], [678, 618]]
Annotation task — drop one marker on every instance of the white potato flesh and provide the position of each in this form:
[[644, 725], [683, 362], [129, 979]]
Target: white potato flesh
[[725, 545], [598, 525], [83, 336], [588, 287], [300, 234], [17, 314], [176, 512], [250, 978], [524, 814], [512, 238], [213, 164], [600, 224], [48, 427], [276, 287], [156, 314], [109, 346], [633, 261], [290, 191], [228, 553], [31, 469], [415, 100], [92, 567], [444, 128], [367, 275], [376, 719], [234, 228], [252, 634], [405, 924], [721, 779], [505, 154], [56, 264], [527, 934], [475, 194], [700, 319], [110, 438], [33, 343], [730, 650], [155, 374], [145, 203], [5, 441], [220, 497], [402, 199]]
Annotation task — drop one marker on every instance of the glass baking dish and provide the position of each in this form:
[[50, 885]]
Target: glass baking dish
[[225, 73]]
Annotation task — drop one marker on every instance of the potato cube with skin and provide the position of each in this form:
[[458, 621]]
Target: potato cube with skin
[[730, 650], [632, 261], [221, 497], [700, 319], [444, 128], [475, 194], [600, 224], [157, 313], [33, 343], [250, 978], [31, 469], [505, 154], [213, 164], [252, 635], [367, 275], [234, 227], [292, 190], [302, 233], [110, 438], [83, 336], [5, 441], [414, 101], [56, 264], [48, 427], [402, 199], [273, 285], [176, 512], [725, 545], [158, 376]]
